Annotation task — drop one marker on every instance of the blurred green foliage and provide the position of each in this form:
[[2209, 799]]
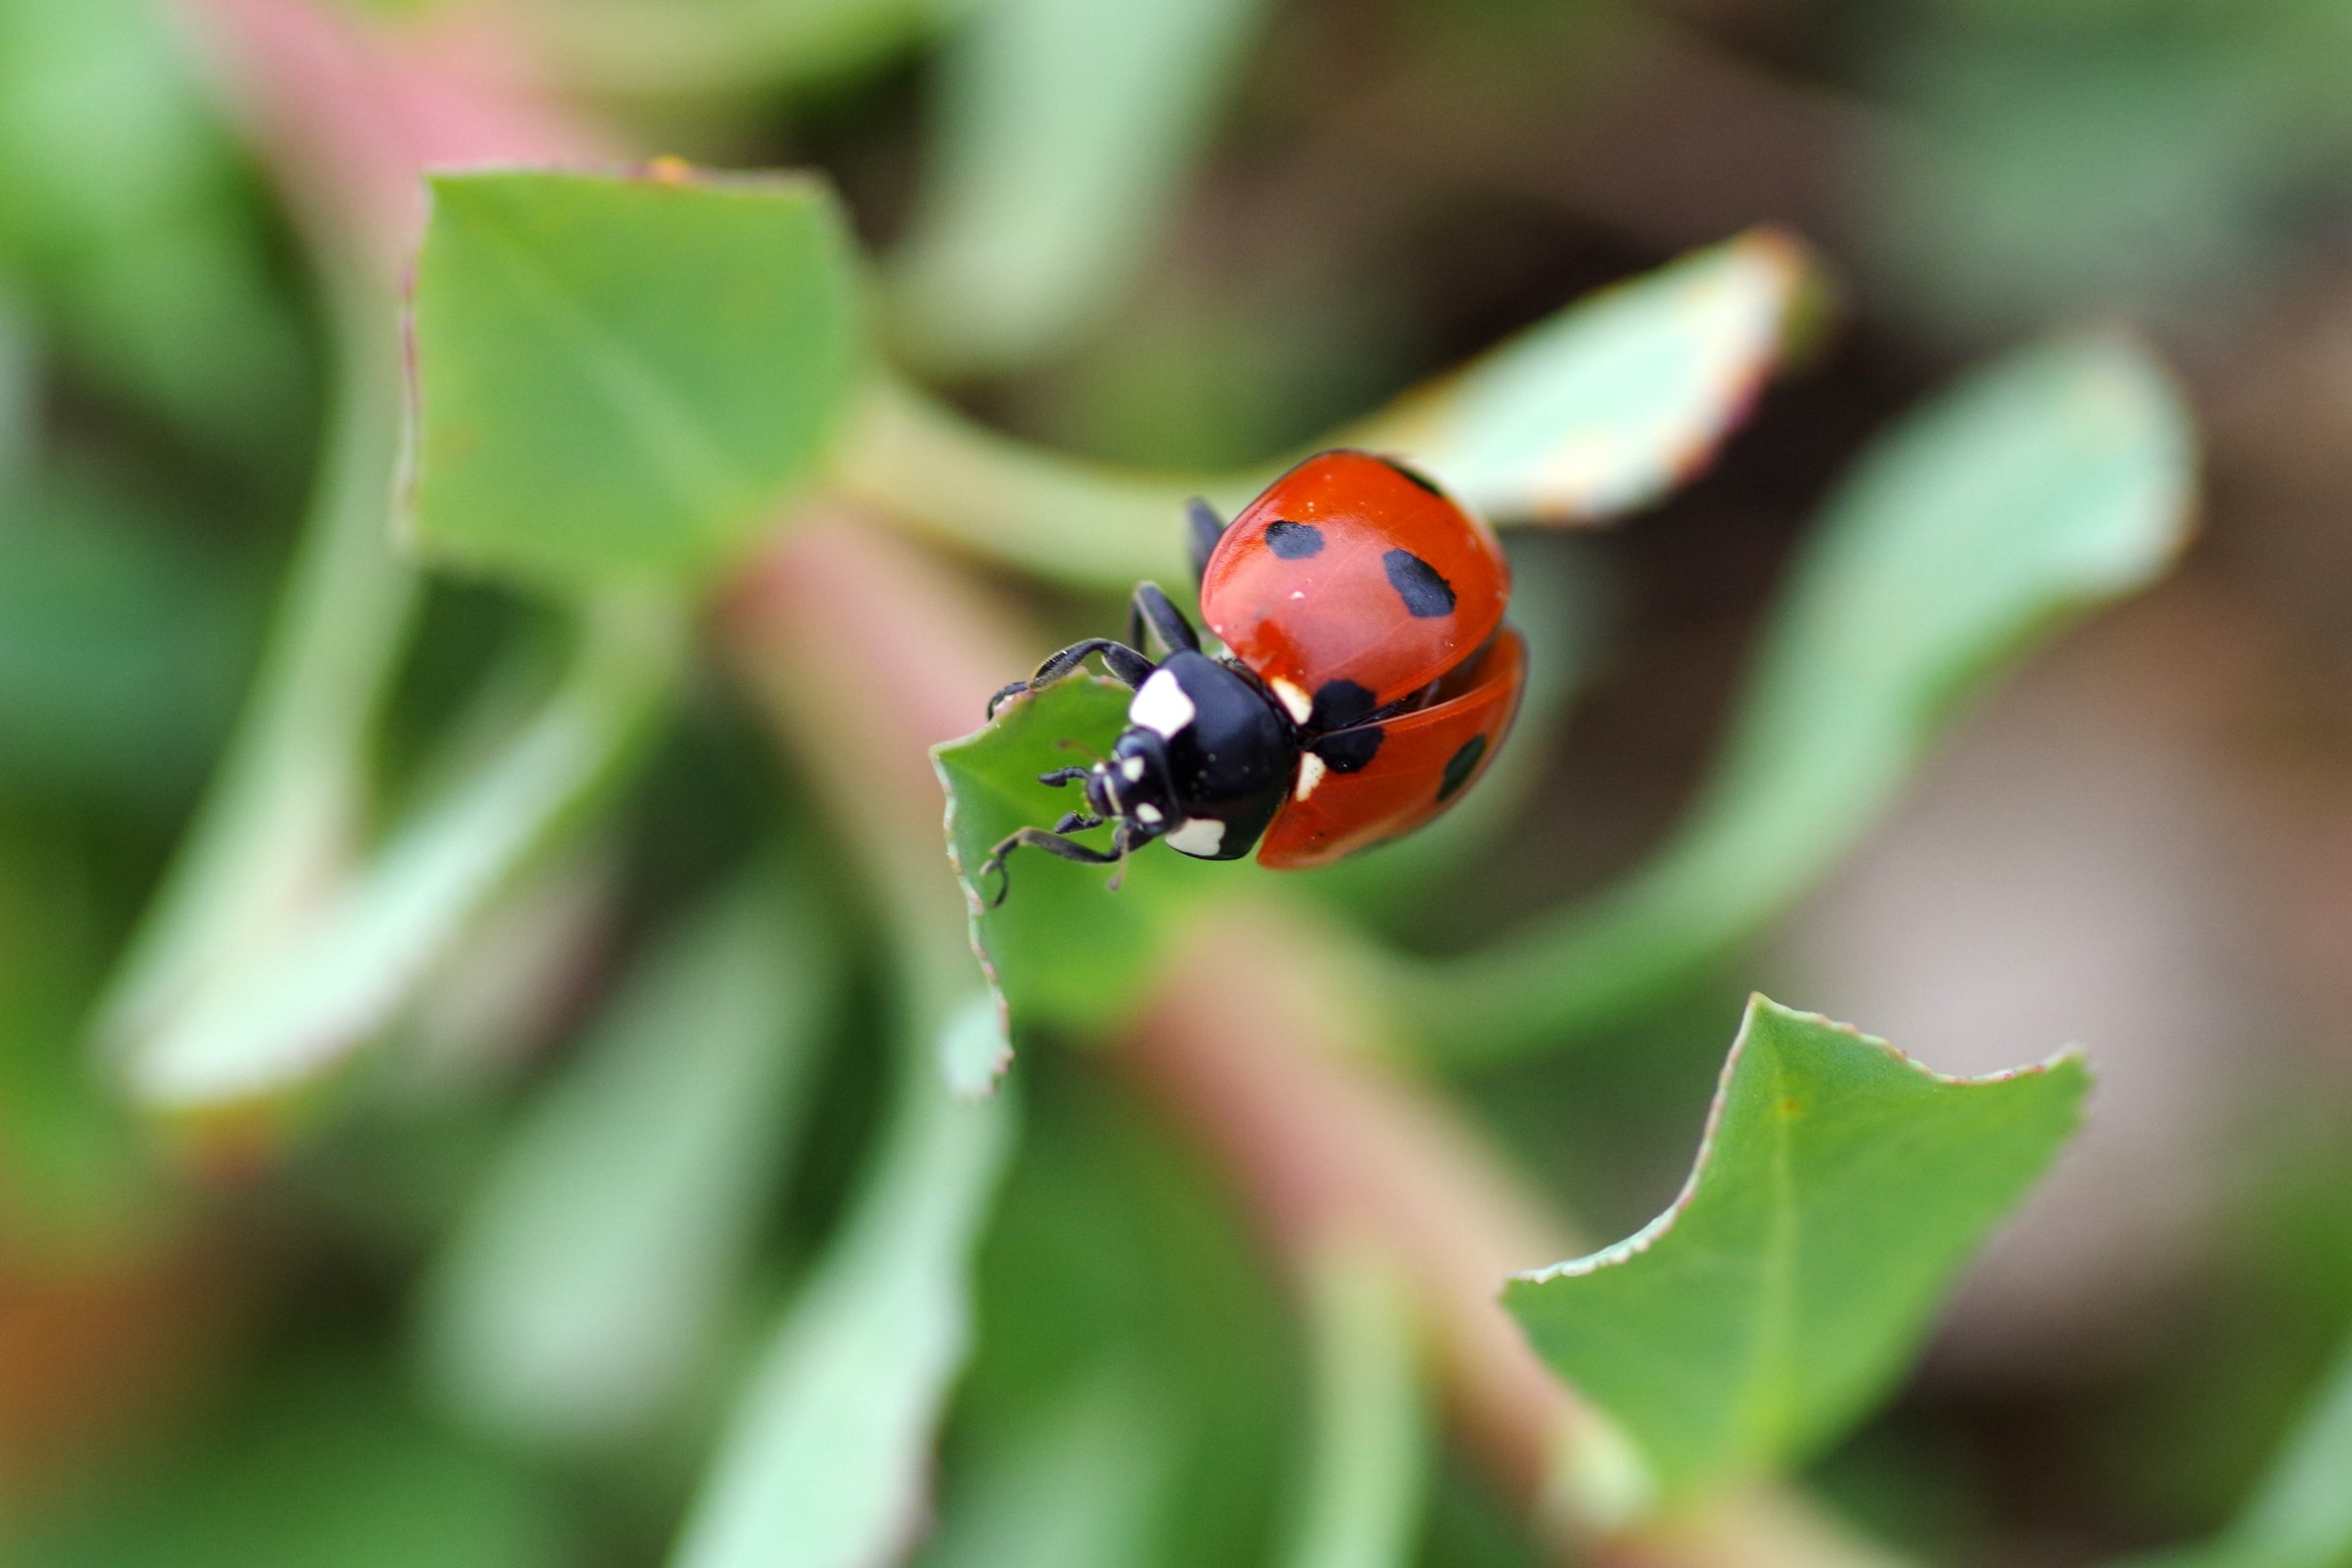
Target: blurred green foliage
[[689, 1254]]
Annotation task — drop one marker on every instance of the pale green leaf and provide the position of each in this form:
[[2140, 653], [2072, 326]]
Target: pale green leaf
[[2053, 483], [580, 1293], [1370, 1465], [1838, 1190], [1606, 406], [975, 1048], [279, 820], [825, 1461], [1600, 407], [622, 378], [1065, 130], [267, 1023]]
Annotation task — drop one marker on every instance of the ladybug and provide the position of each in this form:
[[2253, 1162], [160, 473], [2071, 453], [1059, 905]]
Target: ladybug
[[1369, 677]]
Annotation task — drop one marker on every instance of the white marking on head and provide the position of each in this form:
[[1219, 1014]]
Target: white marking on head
[[1297, 701], [1199, 835], [1132, 769], [1310, 774], [1147, 813], [1161, 705]]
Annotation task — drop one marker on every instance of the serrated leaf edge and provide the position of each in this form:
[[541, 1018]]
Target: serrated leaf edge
[[1762, 1006], [975, 907]]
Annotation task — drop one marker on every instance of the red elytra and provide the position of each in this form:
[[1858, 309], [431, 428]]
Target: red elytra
[[1350, 584], [1353, 610], [1426, 759]]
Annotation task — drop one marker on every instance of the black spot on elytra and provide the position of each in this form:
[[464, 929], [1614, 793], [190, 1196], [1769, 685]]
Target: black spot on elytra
[[1417, 583], [1416, 476], [1460, 766], [1350, 750], [1340, 705], [1294, 540]]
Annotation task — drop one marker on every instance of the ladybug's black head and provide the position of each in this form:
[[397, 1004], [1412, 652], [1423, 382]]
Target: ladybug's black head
[[1205, 761], [1131, 786]]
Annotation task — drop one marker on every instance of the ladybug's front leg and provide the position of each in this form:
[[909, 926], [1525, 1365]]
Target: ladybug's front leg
[[1119, 659], [1204, 528], [1053, 843], [1151, 608]]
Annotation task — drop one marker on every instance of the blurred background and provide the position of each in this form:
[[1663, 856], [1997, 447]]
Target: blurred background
[[2144, 844]]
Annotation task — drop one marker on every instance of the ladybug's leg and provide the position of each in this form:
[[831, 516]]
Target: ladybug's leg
[[1203, 527], [1119, 659], [1149, 607], [1053, 843]]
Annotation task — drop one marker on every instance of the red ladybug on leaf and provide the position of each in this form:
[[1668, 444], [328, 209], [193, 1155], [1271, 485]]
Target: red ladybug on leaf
[[1370, 679]]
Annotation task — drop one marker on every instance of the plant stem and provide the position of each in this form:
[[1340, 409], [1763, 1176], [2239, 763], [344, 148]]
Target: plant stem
[[1084, 525]]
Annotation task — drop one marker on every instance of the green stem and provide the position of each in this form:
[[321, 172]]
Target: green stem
[[277, 826], [1080, 524], [277, 1023]]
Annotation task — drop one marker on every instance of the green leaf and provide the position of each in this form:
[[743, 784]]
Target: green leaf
[[623, 377], [1606, 406], [1838, 1190], [1061, 949], [823, 1464], [1066, 129], [1600, 407], [2301, 1516], [2055, 482], [580, 1294]]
